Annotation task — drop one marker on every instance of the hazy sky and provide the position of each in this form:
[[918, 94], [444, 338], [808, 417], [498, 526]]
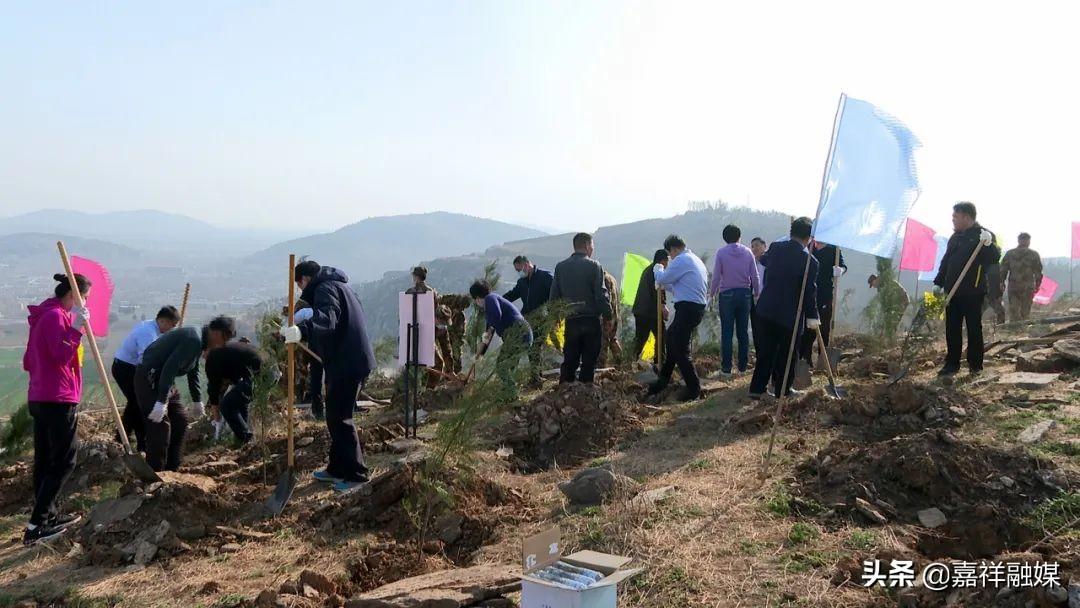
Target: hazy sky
[[564, 114]]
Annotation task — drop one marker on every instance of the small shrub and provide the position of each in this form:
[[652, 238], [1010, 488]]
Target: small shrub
[[802, 532]]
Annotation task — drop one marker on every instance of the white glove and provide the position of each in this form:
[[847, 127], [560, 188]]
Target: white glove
[[838, 271], [158, 413], [290, 333], [82, 315], [986, 237], [197, 410], [814, 324], [303, 315]]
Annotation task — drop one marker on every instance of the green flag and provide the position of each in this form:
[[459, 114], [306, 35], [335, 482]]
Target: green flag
[[632, 267]]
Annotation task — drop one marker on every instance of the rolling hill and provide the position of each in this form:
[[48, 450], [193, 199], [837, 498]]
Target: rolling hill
[[701, 229], [367, 249]]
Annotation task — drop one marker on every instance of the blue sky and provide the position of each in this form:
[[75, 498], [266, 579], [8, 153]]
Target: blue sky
[[564, 114]]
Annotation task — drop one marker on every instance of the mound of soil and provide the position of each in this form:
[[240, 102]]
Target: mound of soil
[[881, 412], [456, 526], [144, 524], [574, 421], [982, 491], [16, 488]]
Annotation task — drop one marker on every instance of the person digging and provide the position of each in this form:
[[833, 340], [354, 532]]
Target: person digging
[[504, 319], [337, 333], [231, 365], [127, 359], [176, 353]]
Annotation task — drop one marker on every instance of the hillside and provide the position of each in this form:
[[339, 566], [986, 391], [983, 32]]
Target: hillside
[[38, 249], [700, 228], [370, 247]]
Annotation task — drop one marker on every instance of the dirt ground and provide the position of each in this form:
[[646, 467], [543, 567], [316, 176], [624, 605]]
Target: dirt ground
[[735, 530]]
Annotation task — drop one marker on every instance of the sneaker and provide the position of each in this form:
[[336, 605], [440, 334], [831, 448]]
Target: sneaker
[[323, 476], [65, 521], [757, 396], [41, 533], [724, 375], [948, 370], [975, 371], [345, 487], [657, 387]]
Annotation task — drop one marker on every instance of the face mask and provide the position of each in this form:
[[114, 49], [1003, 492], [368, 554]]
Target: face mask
[[522, 274]]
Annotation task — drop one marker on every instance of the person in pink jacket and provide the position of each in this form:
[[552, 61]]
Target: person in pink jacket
[[52, 360]]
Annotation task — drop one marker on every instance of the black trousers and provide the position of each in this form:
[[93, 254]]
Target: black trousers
[[808, 343], [346, 459], [315, 389], [961, 311], [773, 342], [234, 409], [165, 439], [644, 326], [124, 374], [581, 348], [56, 442], [754, 327], [677, 337]]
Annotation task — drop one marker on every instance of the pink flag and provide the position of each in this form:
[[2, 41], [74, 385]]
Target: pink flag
[[101, 291], [1076, 241], [920, 249], [1046, 291]]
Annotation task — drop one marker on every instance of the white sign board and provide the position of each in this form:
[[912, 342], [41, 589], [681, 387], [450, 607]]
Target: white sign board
[[425, 318]]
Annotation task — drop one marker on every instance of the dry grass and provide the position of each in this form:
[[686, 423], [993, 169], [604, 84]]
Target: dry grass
[[727, 537]]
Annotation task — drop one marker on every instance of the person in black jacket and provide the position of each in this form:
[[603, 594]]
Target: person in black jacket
[[336, 331], [579, 282], [230, 367], [645, 304], [533, 288], [966, 305], [779, 316], [828, 273], [176, 353]]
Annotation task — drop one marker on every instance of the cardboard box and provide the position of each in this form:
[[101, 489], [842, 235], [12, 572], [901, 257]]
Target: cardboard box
[[544, 549]]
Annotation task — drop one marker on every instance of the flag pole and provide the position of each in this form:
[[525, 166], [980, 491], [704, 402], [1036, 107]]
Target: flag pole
[[806, 274]]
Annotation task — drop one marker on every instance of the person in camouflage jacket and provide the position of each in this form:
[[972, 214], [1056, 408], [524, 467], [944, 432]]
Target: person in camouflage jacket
[[1022, 269]]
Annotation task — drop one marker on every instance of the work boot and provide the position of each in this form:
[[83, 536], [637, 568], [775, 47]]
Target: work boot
[[948, 370], [689, 394], [657, 387]]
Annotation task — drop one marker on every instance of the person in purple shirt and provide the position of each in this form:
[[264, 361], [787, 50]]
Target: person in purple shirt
[[735, 279], [503, 318]]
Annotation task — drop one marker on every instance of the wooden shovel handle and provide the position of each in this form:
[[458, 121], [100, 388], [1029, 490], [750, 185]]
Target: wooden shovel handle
[[183, 304], [290, 362], [963, 273]]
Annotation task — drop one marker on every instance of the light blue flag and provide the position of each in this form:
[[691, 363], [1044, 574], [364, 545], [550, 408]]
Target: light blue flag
[[942, 242], [870, 182]]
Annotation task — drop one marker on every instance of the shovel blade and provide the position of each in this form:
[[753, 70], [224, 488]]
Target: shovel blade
[[837, 392], [802, 380], [282, 493], [140, 468], [898, 376]]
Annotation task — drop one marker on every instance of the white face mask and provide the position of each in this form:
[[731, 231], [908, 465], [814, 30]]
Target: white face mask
[[522, 273]]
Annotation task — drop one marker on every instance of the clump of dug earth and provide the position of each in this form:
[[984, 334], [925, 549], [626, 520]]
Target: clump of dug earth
[[572, 422], [967, 500]]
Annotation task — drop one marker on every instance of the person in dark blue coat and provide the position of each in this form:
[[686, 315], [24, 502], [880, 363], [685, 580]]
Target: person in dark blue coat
[[502, 318], [778, 305], [533, 288], [336, 331]]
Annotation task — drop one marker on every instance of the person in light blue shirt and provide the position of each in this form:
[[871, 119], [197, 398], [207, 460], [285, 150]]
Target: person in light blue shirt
[[128, 357], [687, 280]]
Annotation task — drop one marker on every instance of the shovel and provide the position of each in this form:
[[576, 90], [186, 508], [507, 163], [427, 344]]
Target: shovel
[[835, 391], [921, 318], [287, 482], [833, 354], [133, 461], [802, 380], [183, 304]]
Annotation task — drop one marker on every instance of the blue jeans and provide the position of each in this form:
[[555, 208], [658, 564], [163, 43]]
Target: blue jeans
[[734, 317]]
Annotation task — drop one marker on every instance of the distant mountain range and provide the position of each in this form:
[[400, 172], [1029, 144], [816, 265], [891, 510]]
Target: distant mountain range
[[145, 229], [369, 248]]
